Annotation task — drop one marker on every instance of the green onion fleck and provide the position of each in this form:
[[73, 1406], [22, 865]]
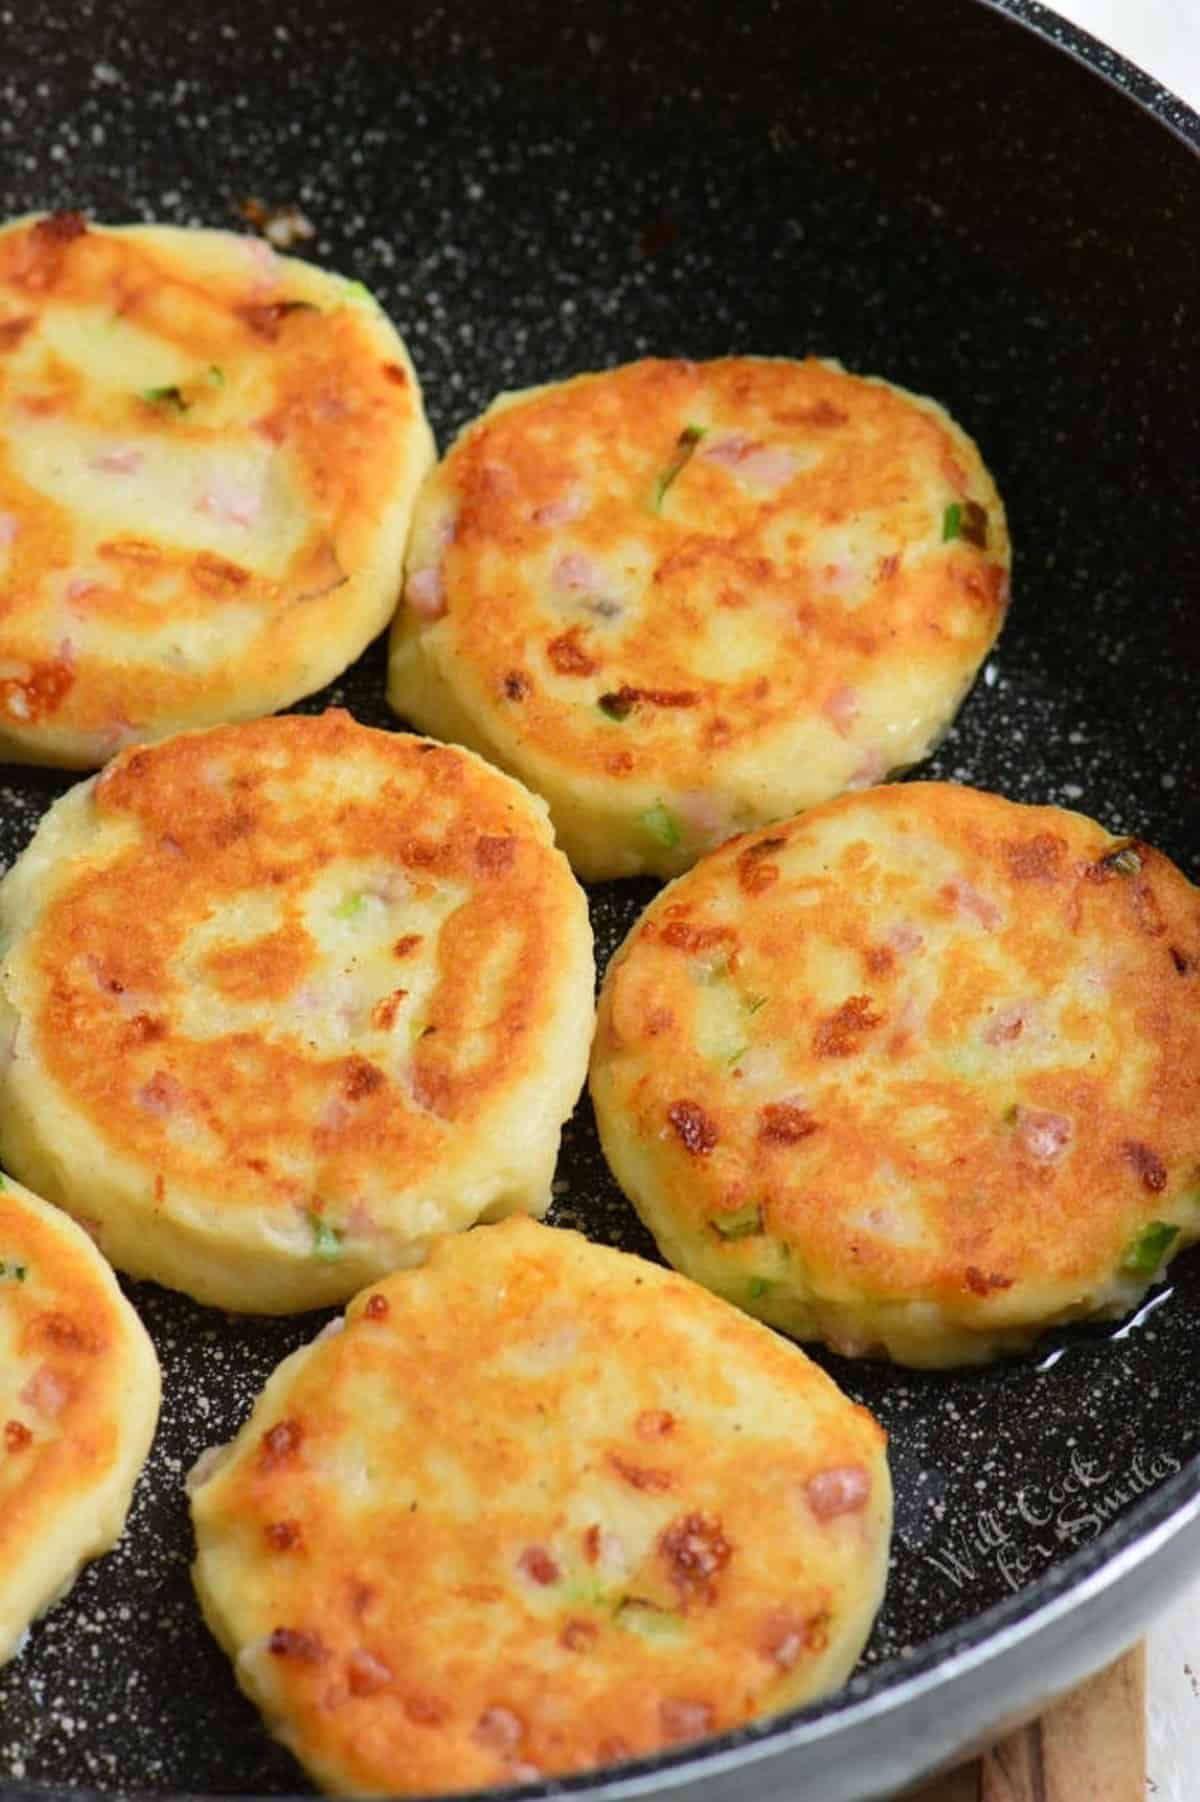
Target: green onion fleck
[[661, 826], [357, 291], [619, 705], [350, 907], [1147, 1250], [758, 1287], [743, 1223], [754, 1002], [165, 397], [216, 376], [327, 1241], [648, 1619], [736, 1055], [1126, 860], [966, 520], [686, 443], [17, 1272]]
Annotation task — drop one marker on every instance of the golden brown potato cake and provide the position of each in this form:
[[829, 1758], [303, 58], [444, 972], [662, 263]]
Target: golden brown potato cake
[[208, 458], [539, 1507], [281, 1001], [79, 1393], [680, 600], [914, 1074]]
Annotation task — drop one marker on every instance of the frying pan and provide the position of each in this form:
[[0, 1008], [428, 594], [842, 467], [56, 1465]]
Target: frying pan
[[955, 195]]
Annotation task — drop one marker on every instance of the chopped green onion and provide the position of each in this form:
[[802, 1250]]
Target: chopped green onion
[[216, 376], [734, 1056], [352, 905], [686, 443], [966, 520], [327, 1241], [648, 1619], [752, 1003], [585, 1592], [165, 397], [758, 1287], [617, 706], [17, 1272], [744, 1223], [661, 826], [357, 291], [1146, 1252]]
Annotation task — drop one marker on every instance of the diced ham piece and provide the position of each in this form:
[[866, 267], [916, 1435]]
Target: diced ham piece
[[206, 1465], [704, 813], [121, 460], [905, 938], [10, 525], [425, 593], [1008, 1023], [561, 512], [1042, 1135], [842, 1490], [78, 586], [162, 1096], [231, 502], [840, 576], [574, 570], [684, 1720], [497, 478], [606, 1551], [840, 708], [762, 465], [783, 1637], [499, 1729], [971, 904], [366, 1673], [45, 1392], [536, 1563], [872, 769], [333, 1114], [262, 259]]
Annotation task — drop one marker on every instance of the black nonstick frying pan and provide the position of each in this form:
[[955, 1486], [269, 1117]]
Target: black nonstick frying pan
[[935, 192]]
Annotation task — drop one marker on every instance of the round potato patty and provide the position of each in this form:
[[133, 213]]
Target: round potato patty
[[680, 600], [79, 1395], [281, 1001], [914, 1074], [540, 1506], [208, 459]]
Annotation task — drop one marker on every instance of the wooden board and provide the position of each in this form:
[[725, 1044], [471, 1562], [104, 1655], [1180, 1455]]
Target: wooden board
[[1090, 1747]]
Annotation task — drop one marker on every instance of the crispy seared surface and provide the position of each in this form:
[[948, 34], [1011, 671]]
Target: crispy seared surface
[[915, 1073], [79, 1392], [284, 999], [680, 600], [208, 457], [540, 1506]]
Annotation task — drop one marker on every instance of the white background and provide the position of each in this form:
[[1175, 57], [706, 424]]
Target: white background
[[1163, 37]]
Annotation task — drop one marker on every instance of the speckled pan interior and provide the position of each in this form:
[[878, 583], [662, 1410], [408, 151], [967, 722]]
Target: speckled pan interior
[[924, 188]]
